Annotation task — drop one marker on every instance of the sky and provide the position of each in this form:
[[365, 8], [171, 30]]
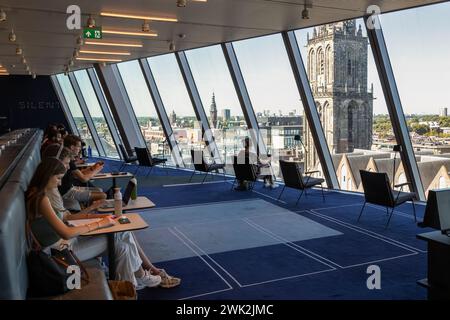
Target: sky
[[418, 42]]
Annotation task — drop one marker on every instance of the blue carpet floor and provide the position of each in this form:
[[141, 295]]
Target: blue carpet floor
[[225, 244]]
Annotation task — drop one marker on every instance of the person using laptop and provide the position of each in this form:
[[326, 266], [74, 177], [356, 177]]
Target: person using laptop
[[68, 190]]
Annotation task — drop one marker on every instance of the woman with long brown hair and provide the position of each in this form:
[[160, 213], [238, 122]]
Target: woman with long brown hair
[[50, 229]]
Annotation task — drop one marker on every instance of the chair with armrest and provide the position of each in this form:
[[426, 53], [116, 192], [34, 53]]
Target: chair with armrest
[[293, 178], [377, 190], [244, 172], [127, 159], [201, 165], [146, 160]]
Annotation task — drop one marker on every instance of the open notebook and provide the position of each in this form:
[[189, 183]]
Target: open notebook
[[82, 222]]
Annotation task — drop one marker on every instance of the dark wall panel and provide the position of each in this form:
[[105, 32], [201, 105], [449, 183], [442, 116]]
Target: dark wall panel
[[28, 103]]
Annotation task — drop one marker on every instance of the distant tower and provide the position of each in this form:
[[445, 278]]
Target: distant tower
[[444, 112], [173, 118], [213, 112], [337, 71]]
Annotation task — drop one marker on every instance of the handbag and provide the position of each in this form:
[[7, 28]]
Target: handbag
[[47, 273]]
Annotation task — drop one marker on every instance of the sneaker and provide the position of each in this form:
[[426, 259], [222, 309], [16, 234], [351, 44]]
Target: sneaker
[[148, 280], [267, 184], [168, 281], [273, 186]]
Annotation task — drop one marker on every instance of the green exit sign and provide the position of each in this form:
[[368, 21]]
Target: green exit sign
[[92, 33]]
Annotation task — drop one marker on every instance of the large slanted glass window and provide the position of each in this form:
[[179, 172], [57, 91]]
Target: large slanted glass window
[[219, 99], [274, 96], [178, 106], [144, 109], [418, 44], [98, 118], [77, 114], [350, 102]]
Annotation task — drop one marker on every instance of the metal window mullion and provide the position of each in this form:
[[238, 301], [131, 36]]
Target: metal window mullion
[[64, 105], [162, 114], [87, 114], [104, 106], [243, 96], [197, 104], [394, 105], [310, 109], [120, 105]]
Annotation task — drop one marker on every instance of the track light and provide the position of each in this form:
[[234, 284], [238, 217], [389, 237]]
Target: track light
[[12, 36], [80, 41], [305, 13], [181, 3], [75, 53], [71, 63], [91, 22], [24, 61], [19, 51], [33, 75], [171, 46], [2, 15], [146, 26], [27, 69]]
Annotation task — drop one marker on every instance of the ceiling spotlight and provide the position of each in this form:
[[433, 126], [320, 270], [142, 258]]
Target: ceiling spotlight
[[182, 35], [75, 53], [80, 41], [19, 51], [71, 63], [12, 36], [171, 46], [305, 14], [24, 61], [27, 69], [181, 3], [91, 22], [33, 75], [146, 26], [2, 15]]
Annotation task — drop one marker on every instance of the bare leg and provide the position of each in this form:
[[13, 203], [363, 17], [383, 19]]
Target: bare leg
[[146, 264]]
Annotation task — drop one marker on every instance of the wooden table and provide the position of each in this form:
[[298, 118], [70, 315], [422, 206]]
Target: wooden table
[[136, 223], [139, 204], [103, 176]]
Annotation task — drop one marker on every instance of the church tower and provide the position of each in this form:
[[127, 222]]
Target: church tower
[[213, 112], [337, 71]]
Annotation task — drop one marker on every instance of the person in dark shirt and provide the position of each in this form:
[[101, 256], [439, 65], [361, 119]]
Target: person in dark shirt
[[73, 195]]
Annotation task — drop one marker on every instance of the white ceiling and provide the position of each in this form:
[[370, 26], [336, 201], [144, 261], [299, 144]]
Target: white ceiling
[[48, 45]]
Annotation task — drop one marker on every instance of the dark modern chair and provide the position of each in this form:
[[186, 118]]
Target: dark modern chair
[[201, 165], [146, 160], [377, 190], [244, 172], [127, 159], [293, 178]]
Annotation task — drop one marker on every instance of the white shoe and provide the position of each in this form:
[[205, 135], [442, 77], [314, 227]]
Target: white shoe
[[273, 186], [148, 280], [267, 184]]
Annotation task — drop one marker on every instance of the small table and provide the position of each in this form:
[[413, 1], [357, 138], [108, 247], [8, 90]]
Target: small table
[[438, 281], [136, 223], [139, 204], [102, 176]]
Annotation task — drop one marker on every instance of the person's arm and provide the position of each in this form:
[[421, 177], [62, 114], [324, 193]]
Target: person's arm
[[65, 231], [87, 174]]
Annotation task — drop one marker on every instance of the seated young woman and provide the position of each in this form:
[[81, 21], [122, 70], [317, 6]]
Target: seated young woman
[[50, 228]]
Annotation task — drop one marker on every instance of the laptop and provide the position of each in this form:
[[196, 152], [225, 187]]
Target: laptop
[[125, 198]]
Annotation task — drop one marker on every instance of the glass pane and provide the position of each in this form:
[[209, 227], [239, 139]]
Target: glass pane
[[350, 102], [274, 96], [219, 99], [178, 106], [96, 114], [418, 43], [76, 112], [144, 108]]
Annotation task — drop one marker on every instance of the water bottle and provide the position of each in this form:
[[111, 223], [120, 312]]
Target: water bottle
[[117, 202], [134, 191], [89, 151]]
